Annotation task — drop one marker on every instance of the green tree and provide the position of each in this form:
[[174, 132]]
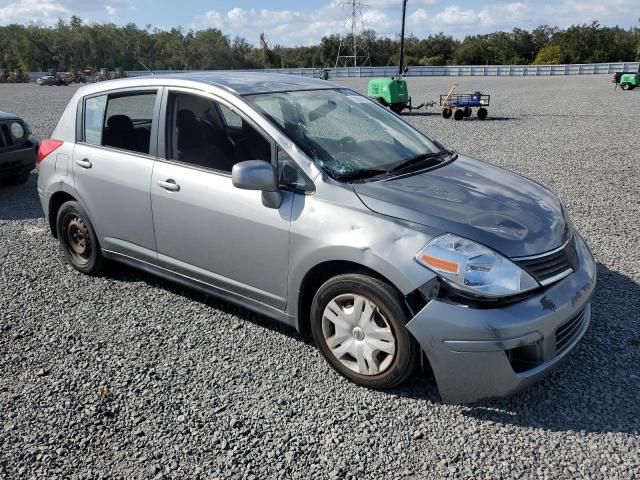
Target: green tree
[[77, 44], [549, 55]]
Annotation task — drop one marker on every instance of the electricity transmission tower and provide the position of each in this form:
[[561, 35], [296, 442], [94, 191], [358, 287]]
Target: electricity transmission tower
[[353, 49]]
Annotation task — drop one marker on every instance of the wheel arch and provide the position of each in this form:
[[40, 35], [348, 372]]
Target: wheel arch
[[319, 274], [55, 202], [323, 271], [59, 197]]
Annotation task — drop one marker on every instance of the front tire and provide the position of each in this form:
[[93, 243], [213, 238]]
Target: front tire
[[78, 240], [358, 323]]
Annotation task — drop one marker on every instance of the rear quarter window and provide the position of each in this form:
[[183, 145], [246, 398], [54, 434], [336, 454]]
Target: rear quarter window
[[94, 118]]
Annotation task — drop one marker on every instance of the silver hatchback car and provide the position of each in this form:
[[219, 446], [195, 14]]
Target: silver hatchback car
[[309, 203]]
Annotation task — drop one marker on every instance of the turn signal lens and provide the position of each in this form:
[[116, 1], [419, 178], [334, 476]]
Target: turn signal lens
[[440, 264], [46, 147]]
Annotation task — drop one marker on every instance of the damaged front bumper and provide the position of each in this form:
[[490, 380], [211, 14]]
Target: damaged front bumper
[[488, 352]]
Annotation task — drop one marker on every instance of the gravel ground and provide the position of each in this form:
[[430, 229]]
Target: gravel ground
[[127, 376]]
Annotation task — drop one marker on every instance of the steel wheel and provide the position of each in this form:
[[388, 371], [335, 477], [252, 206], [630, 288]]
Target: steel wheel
[[358, 334], [77, 239]]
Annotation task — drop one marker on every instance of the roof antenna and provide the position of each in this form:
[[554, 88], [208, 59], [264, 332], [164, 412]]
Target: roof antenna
[[146, 68]]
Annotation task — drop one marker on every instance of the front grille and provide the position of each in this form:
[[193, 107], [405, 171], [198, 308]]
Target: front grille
[[6, 133], [546, 268], [9, 166], [568, 331]]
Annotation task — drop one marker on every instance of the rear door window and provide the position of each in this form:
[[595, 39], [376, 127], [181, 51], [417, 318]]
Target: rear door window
[[122, 121], [128, 122]]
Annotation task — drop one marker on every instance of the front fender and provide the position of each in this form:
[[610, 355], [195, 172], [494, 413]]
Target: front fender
[[322, 232]]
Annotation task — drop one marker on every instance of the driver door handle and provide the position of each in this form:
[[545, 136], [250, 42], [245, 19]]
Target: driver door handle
[[84, 163], [169, 184]]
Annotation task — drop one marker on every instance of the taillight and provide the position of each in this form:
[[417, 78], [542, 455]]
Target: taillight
[[46, 147]]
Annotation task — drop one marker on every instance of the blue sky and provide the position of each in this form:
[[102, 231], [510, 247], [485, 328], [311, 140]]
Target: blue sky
[[289, 22]]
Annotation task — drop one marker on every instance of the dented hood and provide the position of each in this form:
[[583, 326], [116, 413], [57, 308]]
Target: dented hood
[[504, 211]]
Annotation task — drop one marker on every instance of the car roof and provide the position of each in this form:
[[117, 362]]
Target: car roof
[[8, 116], [239, 82]]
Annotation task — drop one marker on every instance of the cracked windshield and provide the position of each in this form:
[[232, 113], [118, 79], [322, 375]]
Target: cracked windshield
[[347, 135]]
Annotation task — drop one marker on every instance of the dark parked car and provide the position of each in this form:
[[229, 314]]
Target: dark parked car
[[47, 80], [17, 150]]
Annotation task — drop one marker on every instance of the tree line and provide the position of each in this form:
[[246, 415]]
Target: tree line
[[76, 44]]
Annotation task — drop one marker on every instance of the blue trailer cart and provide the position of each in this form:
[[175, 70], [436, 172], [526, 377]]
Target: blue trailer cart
[[461, 105]]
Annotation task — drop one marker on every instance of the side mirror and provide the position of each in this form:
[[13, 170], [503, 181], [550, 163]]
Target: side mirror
[[258, 175]]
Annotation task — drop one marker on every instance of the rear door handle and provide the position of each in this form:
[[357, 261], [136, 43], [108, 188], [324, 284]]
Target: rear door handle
[[169, 184], [84, 163]]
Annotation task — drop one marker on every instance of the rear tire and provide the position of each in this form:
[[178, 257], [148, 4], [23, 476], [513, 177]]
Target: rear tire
[[358, 323], [458, 115], [482, 113], [446, 112], [78, 240], [467, 111], [625, 86]]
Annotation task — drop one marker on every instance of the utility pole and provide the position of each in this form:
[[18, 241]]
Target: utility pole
[[404, 14]]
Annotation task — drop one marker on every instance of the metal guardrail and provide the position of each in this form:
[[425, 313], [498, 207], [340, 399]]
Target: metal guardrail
[[436, 71]]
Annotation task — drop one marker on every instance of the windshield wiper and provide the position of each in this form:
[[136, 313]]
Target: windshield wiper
[[434, 158], [361, 174]]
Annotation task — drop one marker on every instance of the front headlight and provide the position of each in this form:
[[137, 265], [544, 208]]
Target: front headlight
[[17, 130], [474, 268]]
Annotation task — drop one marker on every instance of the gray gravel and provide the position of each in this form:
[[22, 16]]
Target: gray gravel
[[127, 376]]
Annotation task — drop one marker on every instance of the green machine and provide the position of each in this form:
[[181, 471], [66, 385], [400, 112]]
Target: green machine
[[629, 81], [393, 92]]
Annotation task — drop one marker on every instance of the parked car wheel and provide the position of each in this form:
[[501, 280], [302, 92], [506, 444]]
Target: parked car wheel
[[446, 112], [482, 113], [78, 240], [358, 323], [467, 111], [458, 115]]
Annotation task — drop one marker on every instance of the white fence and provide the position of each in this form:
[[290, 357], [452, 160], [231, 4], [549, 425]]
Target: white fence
[[439, 71]]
